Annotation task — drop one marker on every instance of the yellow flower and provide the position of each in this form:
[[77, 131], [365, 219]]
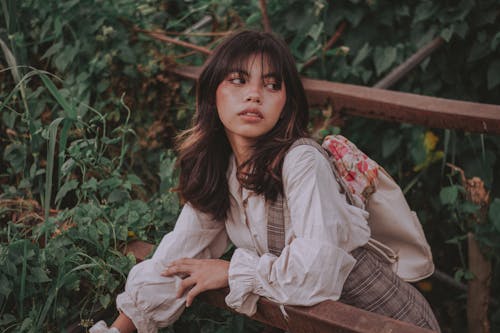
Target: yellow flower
[[131, 234], [431, 158], [432, 155], [430, 141]]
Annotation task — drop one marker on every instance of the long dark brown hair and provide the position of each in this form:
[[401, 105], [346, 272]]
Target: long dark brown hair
[[204, 150]]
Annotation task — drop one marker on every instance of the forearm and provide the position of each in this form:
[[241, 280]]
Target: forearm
[[306, 273]]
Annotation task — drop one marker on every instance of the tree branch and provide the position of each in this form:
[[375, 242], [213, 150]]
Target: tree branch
[[335, 37], [162, 37], [265, 18]]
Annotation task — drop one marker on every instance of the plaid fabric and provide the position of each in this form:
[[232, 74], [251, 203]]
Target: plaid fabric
[[278, 217], [373, 286]]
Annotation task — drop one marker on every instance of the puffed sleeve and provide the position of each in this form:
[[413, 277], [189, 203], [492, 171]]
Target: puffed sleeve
[[149, 299], [315, 261]]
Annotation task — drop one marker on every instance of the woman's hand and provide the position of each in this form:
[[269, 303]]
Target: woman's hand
[[199, 275]]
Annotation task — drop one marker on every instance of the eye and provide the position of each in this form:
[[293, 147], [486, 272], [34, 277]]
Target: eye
[[236, 78], [272, 84]]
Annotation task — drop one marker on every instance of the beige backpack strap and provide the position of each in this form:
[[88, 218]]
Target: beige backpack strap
[[343, 186], [278, 214]]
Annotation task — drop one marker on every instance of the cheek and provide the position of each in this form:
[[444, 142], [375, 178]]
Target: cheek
[[280, 103], [223, 97]]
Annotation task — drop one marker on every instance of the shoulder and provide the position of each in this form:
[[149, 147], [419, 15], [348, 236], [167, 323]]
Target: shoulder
[[305, 153], [305, 160]]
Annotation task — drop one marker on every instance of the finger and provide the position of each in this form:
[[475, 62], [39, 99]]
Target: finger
[[178, 268], [193, 293], [185, 284], [184, 261]]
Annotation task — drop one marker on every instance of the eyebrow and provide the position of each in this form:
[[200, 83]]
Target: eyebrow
[[245, 73]]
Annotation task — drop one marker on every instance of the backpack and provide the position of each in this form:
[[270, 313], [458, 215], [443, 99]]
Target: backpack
[[396, 233]]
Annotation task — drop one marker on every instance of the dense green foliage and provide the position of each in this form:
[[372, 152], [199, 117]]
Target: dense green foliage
[[89, 112]]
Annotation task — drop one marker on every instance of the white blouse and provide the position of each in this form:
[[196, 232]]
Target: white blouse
[[311, 268]]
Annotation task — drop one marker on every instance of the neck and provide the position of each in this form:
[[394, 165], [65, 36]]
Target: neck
[[241, 154], [242, 151]]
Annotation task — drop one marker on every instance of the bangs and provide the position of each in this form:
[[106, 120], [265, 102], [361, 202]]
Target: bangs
[[238, 58]]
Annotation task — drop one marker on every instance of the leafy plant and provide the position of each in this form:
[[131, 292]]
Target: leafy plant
[[78, 181]]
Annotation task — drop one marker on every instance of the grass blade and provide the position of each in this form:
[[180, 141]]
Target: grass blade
[[69, 110], [14, 69], [11, 61], [23, 279], [50, 164], [63, 138], [483, 148]]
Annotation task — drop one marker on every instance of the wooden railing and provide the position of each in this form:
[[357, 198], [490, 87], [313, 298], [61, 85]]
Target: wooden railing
[[326, 317], [348, 99]]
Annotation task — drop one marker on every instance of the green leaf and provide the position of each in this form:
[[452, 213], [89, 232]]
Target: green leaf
[[315, 31], [27, 325], [122, 232], [459, 274], [90, 184], [15, 154], [133, 179], [354, 15], [6, 319], [68, 166], [133, 217], [362, 54], [390, 144], [384, 58], [469, 207], [494, 74], [448, 195], [447, 33], [55, 48], [424, 11], [57, 26], [110, 183], [495, 41], [67, 187], [104, 300], [461, 29], [5, 287], [39, 275], [118, 195], [456, 240], [468, 275], [494, 213], [69, 110], [52, 131]]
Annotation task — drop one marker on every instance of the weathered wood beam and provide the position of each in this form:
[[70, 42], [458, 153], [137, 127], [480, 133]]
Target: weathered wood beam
[[396, 106], [328, 316]]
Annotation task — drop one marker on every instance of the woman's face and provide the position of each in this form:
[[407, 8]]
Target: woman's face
[[249, 102]]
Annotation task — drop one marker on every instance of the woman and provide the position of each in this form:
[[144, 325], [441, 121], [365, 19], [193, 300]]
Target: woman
[[251, 107]]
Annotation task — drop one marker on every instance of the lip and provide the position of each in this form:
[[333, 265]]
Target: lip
[[251, 112]]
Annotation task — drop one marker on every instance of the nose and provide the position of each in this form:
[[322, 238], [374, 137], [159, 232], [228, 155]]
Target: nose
[[253, 93], [253, 98]]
